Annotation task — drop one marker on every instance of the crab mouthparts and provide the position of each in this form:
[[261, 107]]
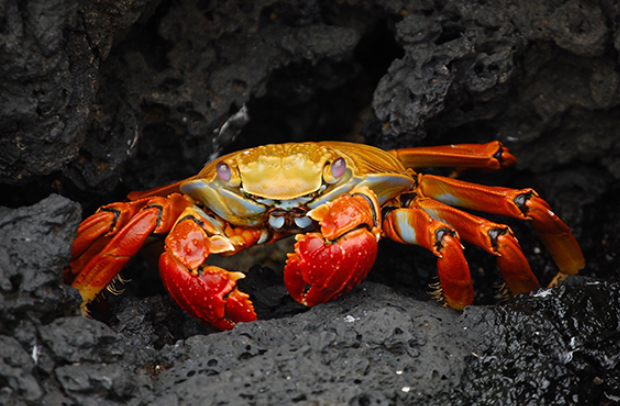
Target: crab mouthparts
[[291, 221], [285, 205]]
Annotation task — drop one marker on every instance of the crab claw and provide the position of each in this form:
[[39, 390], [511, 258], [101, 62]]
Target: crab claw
[[320, 271], [208, 293], [325, 265], [212, 296]]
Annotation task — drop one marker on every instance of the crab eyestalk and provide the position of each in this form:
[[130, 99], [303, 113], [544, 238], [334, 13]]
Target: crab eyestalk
[[327, 264]]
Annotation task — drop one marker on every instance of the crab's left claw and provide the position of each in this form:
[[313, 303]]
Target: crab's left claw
[[325, 265]]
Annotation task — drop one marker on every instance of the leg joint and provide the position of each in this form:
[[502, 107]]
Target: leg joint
[[375, 219], [117, 215], [521, 201], [495, 233], [440, 233], [160, 211]]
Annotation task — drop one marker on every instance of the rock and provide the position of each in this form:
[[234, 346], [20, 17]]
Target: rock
[[35, 246], [372, 344], [79, 339], [16, 370], [553, 346], [49, 62]]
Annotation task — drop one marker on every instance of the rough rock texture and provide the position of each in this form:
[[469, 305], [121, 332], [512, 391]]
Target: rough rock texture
[[50, 54], [99, 98], [35, 242]]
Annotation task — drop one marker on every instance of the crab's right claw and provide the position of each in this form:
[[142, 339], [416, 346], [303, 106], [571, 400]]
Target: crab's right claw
[[208, 293], [212, 296]]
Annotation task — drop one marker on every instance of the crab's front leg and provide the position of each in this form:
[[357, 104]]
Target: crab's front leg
[[327, 264], [108, 239], [208, 293]]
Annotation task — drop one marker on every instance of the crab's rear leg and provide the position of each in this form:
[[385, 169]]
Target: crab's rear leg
[[496, 239], [523, 204], [412, 225], [493, 155]]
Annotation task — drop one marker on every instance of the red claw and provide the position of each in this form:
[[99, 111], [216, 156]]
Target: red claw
[[207, 293], [326, 265], [320, 271], [212, 296]]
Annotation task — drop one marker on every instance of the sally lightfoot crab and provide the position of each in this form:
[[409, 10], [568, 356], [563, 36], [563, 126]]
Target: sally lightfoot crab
[[338, 199]]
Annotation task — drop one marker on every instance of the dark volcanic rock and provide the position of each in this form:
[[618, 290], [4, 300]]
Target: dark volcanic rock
[[49, 59], [552, 347], [99, 98], [17, 372], [460, 64], [378, 347], [373, 344], [35, 244], [76, 340]]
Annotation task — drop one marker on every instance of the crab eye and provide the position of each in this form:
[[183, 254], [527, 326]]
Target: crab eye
[[223, 171], [338, 167]]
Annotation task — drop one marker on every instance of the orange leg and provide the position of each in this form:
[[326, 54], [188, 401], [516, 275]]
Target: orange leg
[[522, 204], [327, 264], [109, 238], [412, 225], [99, 228], [496, 239], [490, 156]]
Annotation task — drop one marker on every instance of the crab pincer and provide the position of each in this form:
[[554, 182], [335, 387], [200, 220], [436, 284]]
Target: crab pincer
[[327, 264], [206, 292]]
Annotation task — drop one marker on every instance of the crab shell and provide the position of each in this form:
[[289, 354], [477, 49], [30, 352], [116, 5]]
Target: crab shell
[[289, 175]]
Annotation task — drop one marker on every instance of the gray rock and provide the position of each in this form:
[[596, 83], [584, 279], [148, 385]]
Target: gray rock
[[35, 246]]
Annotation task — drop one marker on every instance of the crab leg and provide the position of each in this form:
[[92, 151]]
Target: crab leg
[[522, 204], [492, 155], [208, 293], [98, 229], [412, 225], [496, 239], [108, 239]]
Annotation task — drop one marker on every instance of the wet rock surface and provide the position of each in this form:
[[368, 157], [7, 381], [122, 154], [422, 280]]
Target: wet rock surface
[[101, 99]]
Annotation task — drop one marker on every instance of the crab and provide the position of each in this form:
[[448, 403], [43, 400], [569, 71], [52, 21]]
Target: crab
[[338, 199]]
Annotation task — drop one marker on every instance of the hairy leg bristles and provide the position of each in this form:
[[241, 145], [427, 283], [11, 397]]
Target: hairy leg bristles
[[437, 292], [112, 287], [503, 293]]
